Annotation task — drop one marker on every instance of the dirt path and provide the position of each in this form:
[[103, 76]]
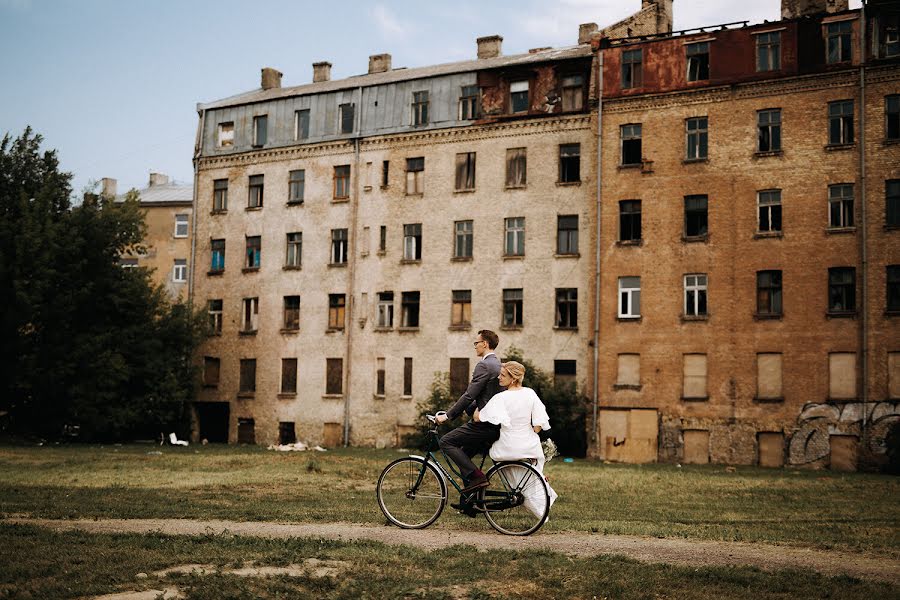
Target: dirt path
[[670, 550]]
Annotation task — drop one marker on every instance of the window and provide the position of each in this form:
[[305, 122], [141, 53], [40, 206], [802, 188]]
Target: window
[[569, 163], [385, 172], [246, 433], [420, 108], [291, 313], [412, 241], [842, 376], [892, 117], [341, 182], [697, 138], [180, 270], [632, 69], [840, 122], [334, 376], [468, 102], [567, 308], [515, 236], [220, 195], [250, 315], [518, 96], [769, 210], [465, 171], [841, 289], [211, 371], [768, 293], [631, 144], [629, 297], [345, 118], [181, 226], [567, 234], [407, 376], [409, 309], [255, 195], [260, 130], [512, 307], [214, 313], [337, 304], [892, 202], [339, 246], [128, 263], [463, 239], [768, 51], [296, 186], [225, 135], [697, 61], [516, 167], [294, 256], [768, 376], [838, 35], [572, 93], [218, 256], [695, 216], [695, 295], [287, 433], [628, 372], [768, 128], [382, 239], [840, 205], [461, 312], [564, 372], [385, 310], [248, 375], [301, 124], [893, 375], [415, 176], [459, 376], [288, 375], [694, 377], [891, 42], [379, 376], [892, 278], [630, 220], [254, 252]]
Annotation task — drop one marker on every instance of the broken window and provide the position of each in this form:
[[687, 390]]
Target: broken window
[[337, 305], [567, 234], [291, 313], [630, 220], [465, 171], [294, 255], [459, 376], [128, 263], [892, 117], [345, 118], [180, 270], [254, 252], [695, 295], [632, 68], [768, 51], [572, 93], [518, 96], [248, 375], [341, 182], [892, 41], [181, 226], [255, 192], [631, 144], [415, 176], [697, 55], [461, 311], [769, 207], [512, 307], [463, 239], [385, 310], [841, 289], [339, 248], [218, 256], [407, 376], [768, 124], [768, 293], [515, 236], [569, 163], [301, 124], [334, 376], [840, 122], [840, 205], [412, 241], [409, 310], [260, 130], [379, 376], [628, 370], [697, 138], [566, 308], [516, 167], [564, 372], [250, 315], [768, 376], [220, 195], [838, 35], [420, 108], [225, 135], [211, 366], [469, 102], [694, 377], [214, 314], [287, 433], [629, 297], [288, 375], [695, 216], [385, 172], [892, 202], [842, 376], [296, 186]]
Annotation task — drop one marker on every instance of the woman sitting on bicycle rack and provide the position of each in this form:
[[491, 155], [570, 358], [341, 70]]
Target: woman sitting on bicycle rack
[[521, 415]]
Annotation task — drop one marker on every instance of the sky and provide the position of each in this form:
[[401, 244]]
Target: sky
[[113, 85]]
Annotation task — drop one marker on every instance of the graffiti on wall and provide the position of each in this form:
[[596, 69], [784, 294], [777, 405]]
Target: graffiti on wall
[[818, 422]]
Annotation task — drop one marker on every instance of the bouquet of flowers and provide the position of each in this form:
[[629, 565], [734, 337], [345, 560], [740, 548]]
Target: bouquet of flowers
[[549, 448]]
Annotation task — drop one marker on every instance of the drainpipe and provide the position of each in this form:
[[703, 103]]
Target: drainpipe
[[596, 390], [198, 150], [863, 238]]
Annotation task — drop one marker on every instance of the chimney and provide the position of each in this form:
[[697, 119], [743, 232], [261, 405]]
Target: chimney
[[794, 9], [321, 71], [379, 63], [489, 47], [271, 78], [158, 179], [584, 32], [108, 187]]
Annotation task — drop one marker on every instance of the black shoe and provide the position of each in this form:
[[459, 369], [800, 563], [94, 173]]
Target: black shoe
[[475, 484]]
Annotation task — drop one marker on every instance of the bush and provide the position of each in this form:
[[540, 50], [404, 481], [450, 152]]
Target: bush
[[892, 441], [439, 399]]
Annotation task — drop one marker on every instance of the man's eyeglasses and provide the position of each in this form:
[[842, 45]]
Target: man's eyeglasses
[[477, 342]]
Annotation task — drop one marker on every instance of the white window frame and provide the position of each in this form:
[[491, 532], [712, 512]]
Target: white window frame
[[181, 219], [180, 271], [249, 314], [294, 250], [694, 285], [518, 87], [630, 292], [514, 238], [385, 312], [225, 136]]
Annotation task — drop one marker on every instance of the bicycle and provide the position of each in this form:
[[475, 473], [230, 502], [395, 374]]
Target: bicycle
[[412, 491]]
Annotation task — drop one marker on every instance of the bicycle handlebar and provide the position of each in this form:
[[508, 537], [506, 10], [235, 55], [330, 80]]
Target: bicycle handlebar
[[433, 418]]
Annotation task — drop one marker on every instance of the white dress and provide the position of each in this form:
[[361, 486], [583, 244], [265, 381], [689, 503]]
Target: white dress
[[517, 411]]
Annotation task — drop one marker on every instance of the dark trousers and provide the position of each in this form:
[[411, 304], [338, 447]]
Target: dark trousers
[[464, 442]]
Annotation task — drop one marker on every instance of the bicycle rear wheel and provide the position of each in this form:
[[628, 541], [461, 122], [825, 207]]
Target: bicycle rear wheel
[[517, 501], [411, 493]]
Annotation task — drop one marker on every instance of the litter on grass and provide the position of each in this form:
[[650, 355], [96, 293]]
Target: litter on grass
[[295, 447]]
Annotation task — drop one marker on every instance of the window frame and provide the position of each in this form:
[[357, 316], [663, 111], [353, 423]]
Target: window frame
[[415, 176], [346, 116], [693, 220], [340, 246], [841, 293], [260, 130], [567, 236], [566, 305], [892, 203], [247, 378], [227, 140], [256, 185], [182, 219], [463, 239], [892, 118], [220, 196], [696, 55], [217, 254], [696, 131], [513, 307], [770, 293], [296, 186], [696, 295], [419, 108], [516, 96], [569, 163], [841, 206], [180, 271], [632, 71], [465, 172], [629, 300], [516, 167], [250, 315], [412, 242], [337, 312], [768, 130], [630, 142], [628, 225], [293, 258], [301, 124], [841, 123], [252, 252], [514, 236], [572, 92], [892, 289], [461, 308], [288, 376], [469, 105], [768, 45], [838, 42], [410, 309], [341, 189], [385, 310], [768, 203], [291, 313], [214, 312]]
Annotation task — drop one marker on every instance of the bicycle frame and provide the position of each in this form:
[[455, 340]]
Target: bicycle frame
[[430, 454]]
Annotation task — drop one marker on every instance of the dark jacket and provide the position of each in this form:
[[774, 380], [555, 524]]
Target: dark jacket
[[482, 388]]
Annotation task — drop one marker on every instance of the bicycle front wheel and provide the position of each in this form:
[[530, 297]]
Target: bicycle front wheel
[[517, 499], [411, 493]]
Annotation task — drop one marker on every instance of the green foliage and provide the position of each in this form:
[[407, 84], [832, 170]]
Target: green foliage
[[85, 342], [438, 399]]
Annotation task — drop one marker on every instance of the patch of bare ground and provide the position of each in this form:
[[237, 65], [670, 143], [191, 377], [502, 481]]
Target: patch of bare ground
[[651, 550]]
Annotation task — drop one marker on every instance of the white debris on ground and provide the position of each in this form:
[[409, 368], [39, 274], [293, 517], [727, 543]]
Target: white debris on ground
[[295, 447]]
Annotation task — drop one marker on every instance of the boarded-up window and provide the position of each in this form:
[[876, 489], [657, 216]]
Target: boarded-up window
[[332, 434], [629, 371], [287, 433], [695, 377], [516, 167], [379, 376], [771, 449], [210, 371], [696, 447], [246, 431], [407, 376], [459, 376], [288, 375], [461, 311], [248, 375], [334, 375], [768, 376], [894, 375], [842, 375]]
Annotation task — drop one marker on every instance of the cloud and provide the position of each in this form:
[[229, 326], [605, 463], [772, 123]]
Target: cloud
[[389, 25]]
